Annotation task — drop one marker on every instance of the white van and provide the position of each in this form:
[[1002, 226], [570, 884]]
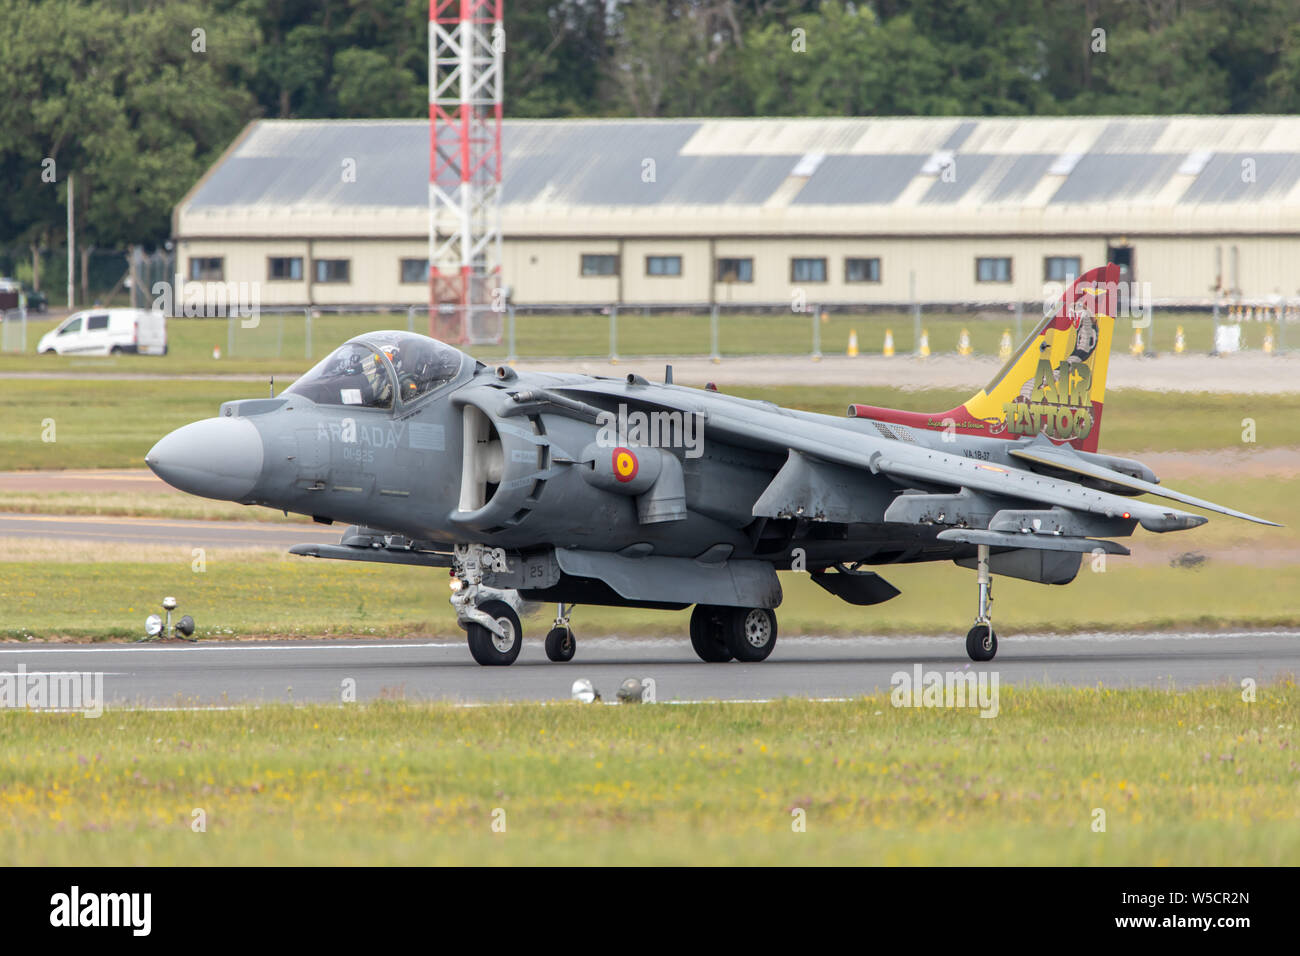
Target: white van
[[107, 332]]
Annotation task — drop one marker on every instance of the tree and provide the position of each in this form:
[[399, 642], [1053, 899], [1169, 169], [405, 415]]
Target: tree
[[136, 105]]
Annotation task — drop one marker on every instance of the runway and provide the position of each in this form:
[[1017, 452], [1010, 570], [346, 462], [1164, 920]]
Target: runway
[[164, 675], [166, 531]]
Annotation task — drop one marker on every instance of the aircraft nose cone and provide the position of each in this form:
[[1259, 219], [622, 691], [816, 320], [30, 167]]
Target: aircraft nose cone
[[215, 458]]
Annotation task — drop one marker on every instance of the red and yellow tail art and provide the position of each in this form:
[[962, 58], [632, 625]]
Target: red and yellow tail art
[[1054, 385]]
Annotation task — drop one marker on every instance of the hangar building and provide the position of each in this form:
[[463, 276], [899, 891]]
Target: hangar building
[[694, 212]]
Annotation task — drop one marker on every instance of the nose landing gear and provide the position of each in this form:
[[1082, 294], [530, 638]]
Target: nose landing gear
[[982, 640], [488, 615]]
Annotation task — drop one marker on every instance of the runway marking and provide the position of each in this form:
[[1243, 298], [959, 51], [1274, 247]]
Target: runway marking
[[191, 648], [458, 705], [59, 673]]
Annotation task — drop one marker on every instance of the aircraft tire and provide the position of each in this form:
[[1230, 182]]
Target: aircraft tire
[[751, 633], [708, 633], [487, 648], [560, 645], [975, 648]]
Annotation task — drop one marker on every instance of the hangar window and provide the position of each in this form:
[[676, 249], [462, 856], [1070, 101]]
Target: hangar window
[[415, 270], [353, 374], [992, 269], [333, 270], [807, 270], [862, 270], [1061, 268], [209, 269], [599, 264], [735, 270], [663, 265], [284, 267]]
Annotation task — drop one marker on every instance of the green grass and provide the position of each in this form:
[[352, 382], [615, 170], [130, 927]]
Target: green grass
[[112, 424], [100, 424], [1193, 778], [281, 343]]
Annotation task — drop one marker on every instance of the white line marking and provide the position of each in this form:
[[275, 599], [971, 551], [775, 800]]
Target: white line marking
[[61, 673], [194, 648]]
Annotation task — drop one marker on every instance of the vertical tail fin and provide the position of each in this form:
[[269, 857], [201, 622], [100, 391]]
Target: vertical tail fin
[[1055, 383]]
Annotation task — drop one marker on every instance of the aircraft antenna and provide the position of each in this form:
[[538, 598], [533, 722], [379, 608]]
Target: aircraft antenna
[[466, 54]]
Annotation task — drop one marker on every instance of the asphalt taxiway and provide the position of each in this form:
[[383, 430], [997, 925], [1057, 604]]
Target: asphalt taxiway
[[166, 531], [165, 675]]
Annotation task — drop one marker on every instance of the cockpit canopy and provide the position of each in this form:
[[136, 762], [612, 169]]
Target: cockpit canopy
[[370, 369]]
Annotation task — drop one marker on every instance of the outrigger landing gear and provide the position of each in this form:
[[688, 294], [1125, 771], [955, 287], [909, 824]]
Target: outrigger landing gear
[[719, 634], [560, 643], [982, 640]]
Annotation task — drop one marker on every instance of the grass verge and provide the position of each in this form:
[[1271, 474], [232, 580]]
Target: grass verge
[[1191, 778]]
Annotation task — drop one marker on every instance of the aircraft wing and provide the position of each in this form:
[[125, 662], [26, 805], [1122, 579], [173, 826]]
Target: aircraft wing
[[1070, 509], [1064, 459]]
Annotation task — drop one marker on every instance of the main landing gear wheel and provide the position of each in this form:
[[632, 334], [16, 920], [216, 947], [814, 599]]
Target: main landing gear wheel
[[496, 650], [708, 633], [560, 645], [751, 633], [981, 643]]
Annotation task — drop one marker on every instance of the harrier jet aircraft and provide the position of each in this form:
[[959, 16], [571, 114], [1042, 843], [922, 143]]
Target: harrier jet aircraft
[[573, 489]]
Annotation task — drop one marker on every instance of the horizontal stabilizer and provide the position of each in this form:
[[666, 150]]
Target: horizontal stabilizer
[[1065, 461]]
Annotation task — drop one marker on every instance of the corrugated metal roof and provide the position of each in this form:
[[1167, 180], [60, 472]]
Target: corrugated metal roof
[[553, 168], [1115, 177], [860, 180], [303, 164], [1020, 177], [1227, 177]]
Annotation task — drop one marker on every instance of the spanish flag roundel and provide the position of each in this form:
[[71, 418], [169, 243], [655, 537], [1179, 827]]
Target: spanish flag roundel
[[625, 464]]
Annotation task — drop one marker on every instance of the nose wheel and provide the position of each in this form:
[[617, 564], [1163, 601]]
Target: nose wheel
[[492, 649], [982, 640]]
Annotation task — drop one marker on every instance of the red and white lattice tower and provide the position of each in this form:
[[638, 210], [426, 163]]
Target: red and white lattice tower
[[466, 49]]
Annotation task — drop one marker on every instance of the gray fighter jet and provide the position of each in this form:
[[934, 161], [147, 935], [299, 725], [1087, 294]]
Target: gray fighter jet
[[573, 489]]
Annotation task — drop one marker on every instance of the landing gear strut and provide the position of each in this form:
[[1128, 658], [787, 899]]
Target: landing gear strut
[[982, 640], [560, 643]]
